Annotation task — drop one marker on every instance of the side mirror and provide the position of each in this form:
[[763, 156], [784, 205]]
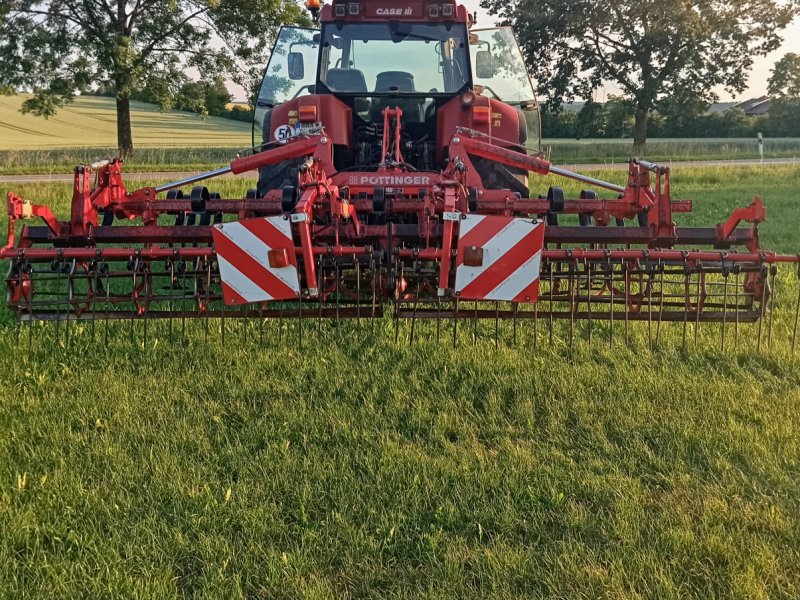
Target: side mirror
[[484, 64], [296, 67]]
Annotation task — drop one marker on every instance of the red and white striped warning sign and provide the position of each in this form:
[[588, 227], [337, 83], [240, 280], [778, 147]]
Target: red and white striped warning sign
[[498, 258], [257, 261]]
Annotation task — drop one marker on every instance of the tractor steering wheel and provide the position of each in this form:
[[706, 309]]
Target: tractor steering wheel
[[309, 88]]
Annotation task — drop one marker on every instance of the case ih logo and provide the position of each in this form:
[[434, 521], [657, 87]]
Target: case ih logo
[[390, 180], [395, 12]]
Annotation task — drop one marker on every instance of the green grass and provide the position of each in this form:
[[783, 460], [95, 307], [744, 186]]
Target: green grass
[[357, 467], [619, 150]]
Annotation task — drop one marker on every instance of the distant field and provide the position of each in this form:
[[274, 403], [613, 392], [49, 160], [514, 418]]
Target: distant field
[[91, 122], [358, 467]]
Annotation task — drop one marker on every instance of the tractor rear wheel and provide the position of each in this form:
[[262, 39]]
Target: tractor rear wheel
[[273, 177]]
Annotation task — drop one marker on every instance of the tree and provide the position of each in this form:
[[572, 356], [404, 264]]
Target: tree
[[650, 49], [59, 48], [785, 79]]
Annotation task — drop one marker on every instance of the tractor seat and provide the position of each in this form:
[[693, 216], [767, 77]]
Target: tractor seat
[[346, 80], [397, 81], [394, 81]]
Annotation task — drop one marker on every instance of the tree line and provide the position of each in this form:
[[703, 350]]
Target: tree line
[[616, 119]]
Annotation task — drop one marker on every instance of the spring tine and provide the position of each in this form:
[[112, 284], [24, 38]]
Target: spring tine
[[496, 325], [183, 302], [30, 311], [772, 271], [358, 292], [222, 324], [588, 265], [438, 318], [455, 322], [300, 324], [280, 323], [764, 285], [171, 303], [697, 306], [551, 306], [611, 305], [261, 324], [515, 308], [687, 277], [572, 269], [796, 313], [58, 303], [396, 318], [208, 294], [320, 279], [649, 308], [374, 277], [535, 325], [414, 311], [724, 306], [131, 329], [736, 312], [92, 294], [475, 325], [627, 276], [147, 282], [661, 301], [108, 299], [336, 270]]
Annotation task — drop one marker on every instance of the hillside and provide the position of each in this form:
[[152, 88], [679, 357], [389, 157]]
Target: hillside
[[91, 122]]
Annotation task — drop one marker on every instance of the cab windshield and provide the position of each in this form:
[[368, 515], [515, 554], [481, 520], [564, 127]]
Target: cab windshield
[[394, 58]]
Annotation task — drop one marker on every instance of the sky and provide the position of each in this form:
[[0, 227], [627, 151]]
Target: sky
[[758, 77]]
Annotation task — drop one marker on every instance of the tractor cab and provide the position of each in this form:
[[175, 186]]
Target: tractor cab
[[373, 55], [421, 57]]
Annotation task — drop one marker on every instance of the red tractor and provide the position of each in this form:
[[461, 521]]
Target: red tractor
[[393, 160]]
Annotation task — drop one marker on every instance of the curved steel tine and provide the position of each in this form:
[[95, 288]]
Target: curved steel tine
[[93, 299], [589, 297], [475, 324], [183, 302], [736, 312], [764, 285], [108, 300], [571, 288], [611, 304], [171, 302], [724, 306], [649, 307], [261, 323], [132, 329], [700, 283], [414, 310], [208, 298], [320, 281], [662, 293], [300, 323], [31, 288], [687, 302], [373, 283], [455, 321], [496, 325], [358, 291], [515, 308], [626, 299], [536, 325], [550, 316], [772, 271], [336, 271], [796, 313]]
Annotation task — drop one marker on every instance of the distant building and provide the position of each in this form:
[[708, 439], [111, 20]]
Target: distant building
[[754, 106]]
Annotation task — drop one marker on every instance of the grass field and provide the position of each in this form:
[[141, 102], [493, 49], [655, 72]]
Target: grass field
[[180, 141], [357, 467]]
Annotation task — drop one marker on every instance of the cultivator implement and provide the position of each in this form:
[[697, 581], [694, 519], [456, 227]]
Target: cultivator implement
[[438, 249]]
